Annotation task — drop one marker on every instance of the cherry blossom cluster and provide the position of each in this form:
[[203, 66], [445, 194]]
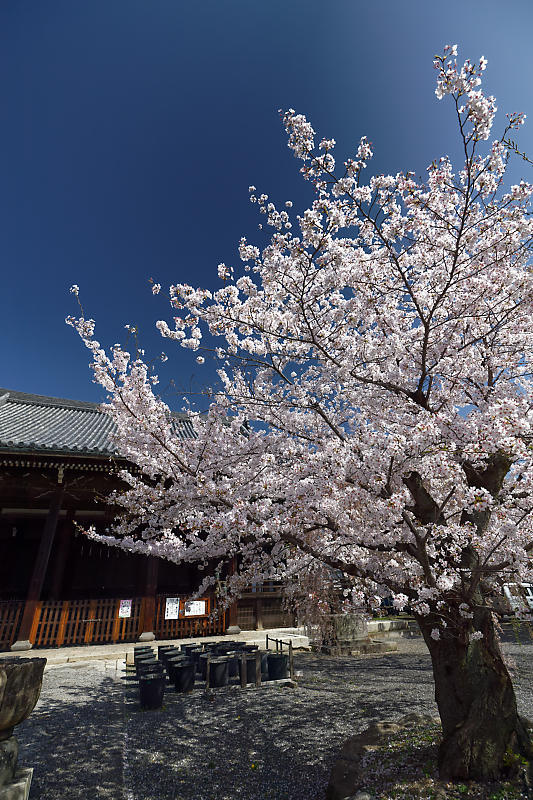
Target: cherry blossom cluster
[[374, 416]]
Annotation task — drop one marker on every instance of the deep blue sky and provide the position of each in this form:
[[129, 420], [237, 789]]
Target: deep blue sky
[[131, 129]]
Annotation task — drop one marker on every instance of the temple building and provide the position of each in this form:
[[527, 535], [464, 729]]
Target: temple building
[[57, 587]]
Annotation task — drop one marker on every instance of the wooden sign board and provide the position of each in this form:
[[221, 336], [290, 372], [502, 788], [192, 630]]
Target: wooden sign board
[[195, 608], [172, 608], [125, 608]]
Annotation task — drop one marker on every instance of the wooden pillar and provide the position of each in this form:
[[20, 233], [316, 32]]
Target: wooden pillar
[[27, 626], [232, 612], [259, 614], [147, 620], [63, 547]]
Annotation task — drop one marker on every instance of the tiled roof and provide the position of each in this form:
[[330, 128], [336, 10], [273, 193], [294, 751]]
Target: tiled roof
[[35, 423]]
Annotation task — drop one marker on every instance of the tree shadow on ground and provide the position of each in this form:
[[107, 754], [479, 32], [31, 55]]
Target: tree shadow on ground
[[272, 743], [88, 738], [73, 739]]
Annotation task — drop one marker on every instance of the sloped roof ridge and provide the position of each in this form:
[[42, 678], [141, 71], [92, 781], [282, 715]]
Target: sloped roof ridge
[[45, 400], [61, 402]]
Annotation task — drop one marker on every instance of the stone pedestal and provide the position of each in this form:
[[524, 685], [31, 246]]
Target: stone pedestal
[[18, 788], [9, 751], [21, 645], [233, 630], [20, 686], [14, 783], [349, 631]]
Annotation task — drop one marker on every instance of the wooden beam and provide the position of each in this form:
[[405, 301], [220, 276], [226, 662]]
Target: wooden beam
[[60, 560], [147, 621], [28, 624]]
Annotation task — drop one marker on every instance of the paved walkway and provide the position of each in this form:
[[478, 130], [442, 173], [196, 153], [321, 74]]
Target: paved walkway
[[117, 652]]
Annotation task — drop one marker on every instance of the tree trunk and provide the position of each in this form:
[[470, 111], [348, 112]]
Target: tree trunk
[[483, 736]]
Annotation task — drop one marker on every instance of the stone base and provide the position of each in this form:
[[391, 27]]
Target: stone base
[[349, 632], [233, 630], [147, 636], [348, 774], [21, 645], [374, 647], [19, 787], [9, 751]]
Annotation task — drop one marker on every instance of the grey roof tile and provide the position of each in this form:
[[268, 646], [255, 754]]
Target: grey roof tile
[[36, 423]]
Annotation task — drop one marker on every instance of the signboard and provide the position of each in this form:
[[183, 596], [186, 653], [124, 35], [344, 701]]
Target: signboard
[[125, 608], [172, 608], [195, 608]]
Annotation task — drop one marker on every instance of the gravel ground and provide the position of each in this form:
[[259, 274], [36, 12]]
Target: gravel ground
[[87, 737]]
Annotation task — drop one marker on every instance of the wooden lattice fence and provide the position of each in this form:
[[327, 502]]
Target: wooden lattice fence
[[97, 621]]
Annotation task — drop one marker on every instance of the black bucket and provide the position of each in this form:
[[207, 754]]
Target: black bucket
[[278, 666], [166, 654], [142, 653], [195, 656], [173, 662], [202, 663], [141, 663], [163, 648], [250, 666], [151, 669], [219, 671], [223, 651], [233, 663], [151, 691], [184, 676]]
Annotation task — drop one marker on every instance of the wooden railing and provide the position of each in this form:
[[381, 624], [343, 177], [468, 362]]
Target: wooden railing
[[71, 622], [97, 621], [10, 616], [188, 626]]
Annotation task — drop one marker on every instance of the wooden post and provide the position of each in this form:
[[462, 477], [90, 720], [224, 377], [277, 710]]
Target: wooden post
[[88, 635], [147, 621], [259, 614], [64, 537], [207, 666], [291, 661], [29, 620], [115, 632], [232, 611], [243, 670], [266, 646], [257, 668], [62, 623], [35, 621]]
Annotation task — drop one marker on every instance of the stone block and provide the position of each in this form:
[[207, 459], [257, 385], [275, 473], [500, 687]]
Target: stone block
[[9, 750], [347, 775], [375, 647], [350, 627], [233, 629], [19, 787], [23, 644]]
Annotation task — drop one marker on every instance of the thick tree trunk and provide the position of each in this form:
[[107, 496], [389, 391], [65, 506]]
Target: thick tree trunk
[[482, 731]]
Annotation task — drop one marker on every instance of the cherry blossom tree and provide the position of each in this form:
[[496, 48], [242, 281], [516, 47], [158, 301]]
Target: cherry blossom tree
[[375, 410]]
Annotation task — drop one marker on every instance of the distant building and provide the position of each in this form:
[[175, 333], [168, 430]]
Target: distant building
[[57, 466]]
